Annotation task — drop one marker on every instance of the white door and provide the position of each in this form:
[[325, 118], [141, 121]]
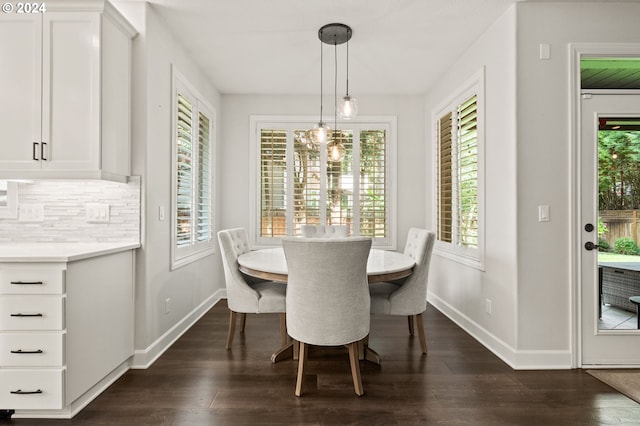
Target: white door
[[604, 341]]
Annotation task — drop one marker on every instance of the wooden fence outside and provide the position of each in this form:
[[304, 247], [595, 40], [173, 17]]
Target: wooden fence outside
[[620, 223]]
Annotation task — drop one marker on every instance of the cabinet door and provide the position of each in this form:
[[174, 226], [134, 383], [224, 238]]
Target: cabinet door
[[20, 89], [71, 90]]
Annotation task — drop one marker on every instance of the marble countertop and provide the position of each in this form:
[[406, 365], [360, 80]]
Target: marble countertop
[[59, 252]]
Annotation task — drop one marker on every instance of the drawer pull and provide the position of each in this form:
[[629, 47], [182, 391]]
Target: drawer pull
[[20, 351], [21, 392], [27, 315], [27, 282]]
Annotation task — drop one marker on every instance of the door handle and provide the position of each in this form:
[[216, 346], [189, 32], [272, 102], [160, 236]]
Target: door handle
[[590, 246], [35, 150]]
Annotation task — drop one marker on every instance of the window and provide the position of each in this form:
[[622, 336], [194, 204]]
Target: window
[[192, 219], [459, 183], [296, 183]]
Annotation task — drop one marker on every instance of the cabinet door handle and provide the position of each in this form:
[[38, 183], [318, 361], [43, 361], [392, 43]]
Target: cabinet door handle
[[27, 282], [20, 351], [42, 147], [35, 150], [26, 315], [21, 392]]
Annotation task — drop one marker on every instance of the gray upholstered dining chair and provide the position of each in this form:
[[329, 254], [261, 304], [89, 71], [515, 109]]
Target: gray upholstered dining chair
[[325, 231], [246, 295], [328, 297], [408, 298]]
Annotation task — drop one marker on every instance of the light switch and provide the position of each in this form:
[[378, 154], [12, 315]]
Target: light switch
[[545, 51], [96, 213], [543, 213]]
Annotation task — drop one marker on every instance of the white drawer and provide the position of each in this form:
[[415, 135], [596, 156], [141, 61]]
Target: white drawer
[[32, 350], [31, 313], [31, 389], [31, 281]]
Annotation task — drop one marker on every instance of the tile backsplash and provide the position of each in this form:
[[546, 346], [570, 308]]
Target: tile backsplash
[[64, 211]]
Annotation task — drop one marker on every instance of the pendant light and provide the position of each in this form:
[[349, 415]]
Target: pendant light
[[348, 106], [333, 34], [335, 149], [320, 132]]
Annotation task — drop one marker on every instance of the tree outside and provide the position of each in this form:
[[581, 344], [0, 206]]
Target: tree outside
[[619, 186]]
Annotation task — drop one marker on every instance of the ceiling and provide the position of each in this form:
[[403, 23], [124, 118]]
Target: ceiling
[[272, 47], [610, 73]]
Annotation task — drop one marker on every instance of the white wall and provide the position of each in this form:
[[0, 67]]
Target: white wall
[[235, 162], [461, 291], [528, 147], [193, 285], [544, 253]]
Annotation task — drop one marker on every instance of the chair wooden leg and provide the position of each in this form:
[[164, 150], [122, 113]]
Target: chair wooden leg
[[283, 329], [243, 322], [410, 320], [301, 362], [296, 349], [355, 368], [232, 328], [423, 340]]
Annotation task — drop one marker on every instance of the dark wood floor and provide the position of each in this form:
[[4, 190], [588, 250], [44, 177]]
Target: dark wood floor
[[198, 382]]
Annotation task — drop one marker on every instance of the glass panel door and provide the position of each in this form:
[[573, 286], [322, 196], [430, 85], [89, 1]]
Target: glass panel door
[[610, 210]]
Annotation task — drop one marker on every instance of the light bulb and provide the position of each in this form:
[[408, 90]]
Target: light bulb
[[348, 107], [319, 134], [335, 151]]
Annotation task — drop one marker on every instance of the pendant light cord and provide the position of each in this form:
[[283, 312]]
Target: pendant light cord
[[349, 31], [320, 79], [335, 88]]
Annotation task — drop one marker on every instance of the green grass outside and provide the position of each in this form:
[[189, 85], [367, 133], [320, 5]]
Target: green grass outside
[[615, 257]]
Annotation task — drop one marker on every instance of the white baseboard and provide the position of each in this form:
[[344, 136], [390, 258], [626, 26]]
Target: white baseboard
[[142, 359], [516, 359]]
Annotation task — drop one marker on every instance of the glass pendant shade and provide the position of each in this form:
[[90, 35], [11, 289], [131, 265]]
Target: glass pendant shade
[[319, 134], [335, 151], [348, 107]]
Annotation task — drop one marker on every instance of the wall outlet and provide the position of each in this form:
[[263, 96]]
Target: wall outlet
[[31, 213], [96, 213], [487, 306], [167, 305]]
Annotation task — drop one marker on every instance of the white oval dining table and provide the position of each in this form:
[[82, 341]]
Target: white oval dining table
[[271, 264]]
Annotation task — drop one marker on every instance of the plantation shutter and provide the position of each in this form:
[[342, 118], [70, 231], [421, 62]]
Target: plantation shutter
[[445, 181], [203, 198], [340, 183], [306, 182], [467, 162], [273, 168], [373, 170], [185, 172], [300, 184]]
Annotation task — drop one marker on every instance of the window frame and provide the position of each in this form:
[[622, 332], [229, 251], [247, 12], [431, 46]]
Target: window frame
[[296, 122], [183, 255], [469, 256]]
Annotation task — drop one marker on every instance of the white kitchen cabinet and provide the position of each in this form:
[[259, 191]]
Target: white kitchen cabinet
[[65, 98], [66, 331]]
